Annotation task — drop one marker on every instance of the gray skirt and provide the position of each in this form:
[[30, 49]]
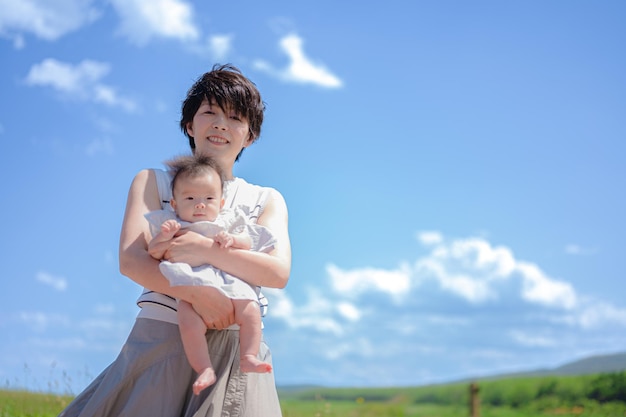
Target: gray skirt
[[151, 377]]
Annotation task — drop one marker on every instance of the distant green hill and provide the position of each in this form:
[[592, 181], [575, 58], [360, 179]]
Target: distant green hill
[[598, 364], [593, 365]]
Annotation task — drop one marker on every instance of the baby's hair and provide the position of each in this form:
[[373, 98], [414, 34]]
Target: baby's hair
[[192, 166]]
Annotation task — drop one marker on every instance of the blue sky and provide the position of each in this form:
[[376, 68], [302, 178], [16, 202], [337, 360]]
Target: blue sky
[[454, 173]]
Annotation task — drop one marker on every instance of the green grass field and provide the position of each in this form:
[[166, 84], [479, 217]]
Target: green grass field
[[602, 395]]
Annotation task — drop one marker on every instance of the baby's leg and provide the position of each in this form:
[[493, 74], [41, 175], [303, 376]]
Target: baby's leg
[[192, 333], [248, 317]]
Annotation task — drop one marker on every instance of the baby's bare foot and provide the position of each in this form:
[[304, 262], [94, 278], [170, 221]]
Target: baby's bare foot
[[250, 363], [205, 379]]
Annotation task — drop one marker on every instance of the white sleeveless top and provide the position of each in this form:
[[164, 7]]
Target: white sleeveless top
[[238, 193]]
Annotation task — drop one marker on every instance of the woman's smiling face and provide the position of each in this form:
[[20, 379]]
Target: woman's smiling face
[[219, 133]]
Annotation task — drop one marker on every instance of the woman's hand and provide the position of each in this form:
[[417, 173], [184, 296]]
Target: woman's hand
[[188, 247], [214, 307], [158, 247]]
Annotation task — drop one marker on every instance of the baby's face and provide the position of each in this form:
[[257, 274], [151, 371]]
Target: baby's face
[[198, 198]]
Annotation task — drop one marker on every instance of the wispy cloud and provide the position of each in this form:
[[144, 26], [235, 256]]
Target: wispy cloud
[[44, 19], [573, 249], [80, 82], [301, 69], [597, 313], [141, 21], [531, 339], [42, 321], [58, 283], [99, 146], [215, 47]]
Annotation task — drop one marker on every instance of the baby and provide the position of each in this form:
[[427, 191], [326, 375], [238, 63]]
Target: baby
[[197, 190]]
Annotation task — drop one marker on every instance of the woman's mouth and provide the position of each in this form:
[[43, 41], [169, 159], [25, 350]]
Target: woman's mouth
[[217, 139]]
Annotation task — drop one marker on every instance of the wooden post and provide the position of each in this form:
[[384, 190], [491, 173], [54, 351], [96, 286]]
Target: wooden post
[[474, 402]]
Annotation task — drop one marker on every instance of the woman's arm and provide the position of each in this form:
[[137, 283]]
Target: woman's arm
[[137, 264], [257, 268]]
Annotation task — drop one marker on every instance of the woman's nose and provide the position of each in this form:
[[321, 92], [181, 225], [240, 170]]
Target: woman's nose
[[219, 122]]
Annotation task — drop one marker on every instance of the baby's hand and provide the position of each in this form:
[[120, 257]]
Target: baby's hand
[[169, 228], [224, 239]]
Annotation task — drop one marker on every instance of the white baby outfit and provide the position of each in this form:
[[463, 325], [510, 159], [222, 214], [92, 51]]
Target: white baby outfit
[[229, 220]]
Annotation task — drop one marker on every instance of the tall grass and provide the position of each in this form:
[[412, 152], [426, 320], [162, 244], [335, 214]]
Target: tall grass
[[30, 404]]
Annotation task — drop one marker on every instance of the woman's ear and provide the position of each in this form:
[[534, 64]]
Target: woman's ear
[[189, 128], [249, 141]]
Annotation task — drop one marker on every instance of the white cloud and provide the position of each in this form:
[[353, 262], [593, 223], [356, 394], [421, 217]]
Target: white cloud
[[429, 238], [300, 68], [317, 314], [58, 283], [220, 46], [472, 269], [349, 311], [107, 95], [143, 20], [539, 288], [488, 277], [469, 287], [354, 282], [477, 254], [80, 81], [64, 77], [45, 19]]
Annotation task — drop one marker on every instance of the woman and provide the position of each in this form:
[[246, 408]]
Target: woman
[[221, 116]]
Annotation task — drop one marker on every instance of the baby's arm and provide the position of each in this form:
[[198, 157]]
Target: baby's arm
[[168, 229], [233, 240]]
